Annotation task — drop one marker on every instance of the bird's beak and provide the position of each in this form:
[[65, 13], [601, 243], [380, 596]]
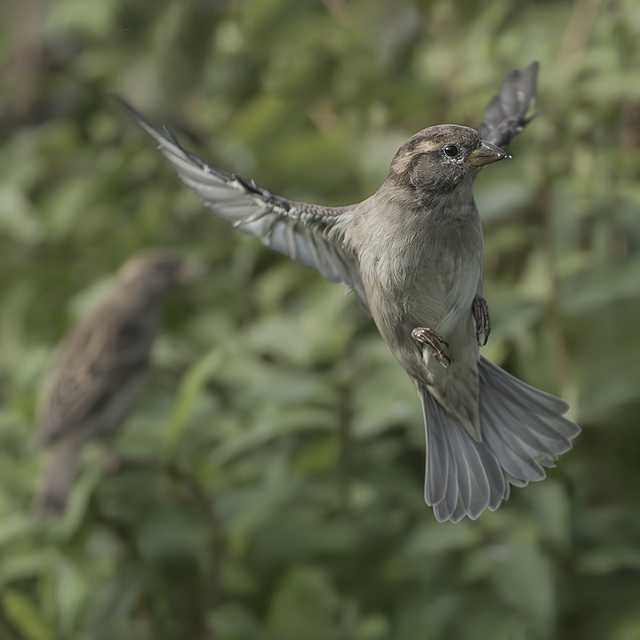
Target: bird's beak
[[487, 153], [189, 272]]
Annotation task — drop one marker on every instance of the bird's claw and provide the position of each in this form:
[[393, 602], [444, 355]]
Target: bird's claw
[[425, 337], [481, 316]]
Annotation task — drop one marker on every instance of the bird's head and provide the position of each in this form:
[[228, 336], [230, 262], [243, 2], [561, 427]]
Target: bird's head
[[438, 159], [152, 273]]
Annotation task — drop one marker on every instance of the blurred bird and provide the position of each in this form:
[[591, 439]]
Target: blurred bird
[[412, 253], [101, 370]]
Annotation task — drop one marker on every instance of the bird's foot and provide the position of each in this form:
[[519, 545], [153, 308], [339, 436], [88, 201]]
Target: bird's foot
[[481, 316], [424, 337]]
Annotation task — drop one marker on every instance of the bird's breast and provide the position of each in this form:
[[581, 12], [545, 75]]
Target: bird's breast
[[431, 272], [422, 271]]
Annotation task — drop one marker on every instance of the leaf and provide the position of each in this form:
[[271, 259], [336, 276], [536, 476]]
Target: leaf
[[13, 528], [600, 285], [550, 507], [170, 534], [604, 561], [304, 606], [190, 388], [23, 614], [431, 538], [523, 577], [23, 566]]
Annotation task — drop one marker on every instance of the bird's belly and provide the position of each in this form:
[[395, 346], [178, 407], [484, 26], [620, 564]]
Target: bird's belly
[[436, 294], [442, 292]]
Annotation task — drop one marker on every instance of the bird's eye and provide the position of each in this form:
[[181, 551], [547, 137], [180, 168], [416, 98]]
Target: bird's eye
[[451, 150]]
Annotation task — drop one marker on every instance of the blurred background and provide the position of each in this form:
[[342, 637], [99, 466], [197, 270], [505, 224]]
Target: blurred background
[[269, 485]]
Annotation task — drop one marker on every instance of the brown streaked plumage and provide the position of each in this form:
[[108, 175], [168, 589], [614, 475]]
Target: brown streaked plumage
[[412, 253], [101, 370]]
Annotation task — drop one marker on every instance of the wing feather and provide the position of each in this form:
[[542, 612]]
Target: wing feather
[[506, 114], [309, 234]]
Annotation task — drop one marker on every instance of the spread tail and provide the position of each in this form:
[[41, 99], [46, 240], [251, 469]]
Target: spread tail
[[57, 481], [523, 430]]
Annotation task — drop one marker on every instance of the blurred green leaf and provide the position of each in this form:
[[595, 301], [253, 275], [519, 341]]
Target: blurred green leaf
[[23, 614], [190, 388], [304, 605], [523, 577]]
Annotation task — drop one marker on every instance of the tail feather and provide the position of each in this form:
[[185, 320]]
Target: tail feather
[[439, 459], [509, 385], [473, 483], [470, 478], [523, 430], [515, 456]]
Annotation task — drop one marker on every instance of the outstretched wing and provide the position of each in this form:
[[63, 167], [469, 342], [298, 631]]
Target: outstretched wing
[[307, 233], [505, 115]]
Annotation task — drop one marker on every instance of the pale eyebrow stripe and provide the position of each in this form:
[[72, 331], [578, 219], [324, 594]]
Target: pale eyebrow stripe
[[425, 146]]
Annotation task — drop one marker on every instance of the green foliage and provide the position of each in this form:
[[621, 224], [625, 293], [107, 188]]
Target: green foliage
[[269, 485]]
